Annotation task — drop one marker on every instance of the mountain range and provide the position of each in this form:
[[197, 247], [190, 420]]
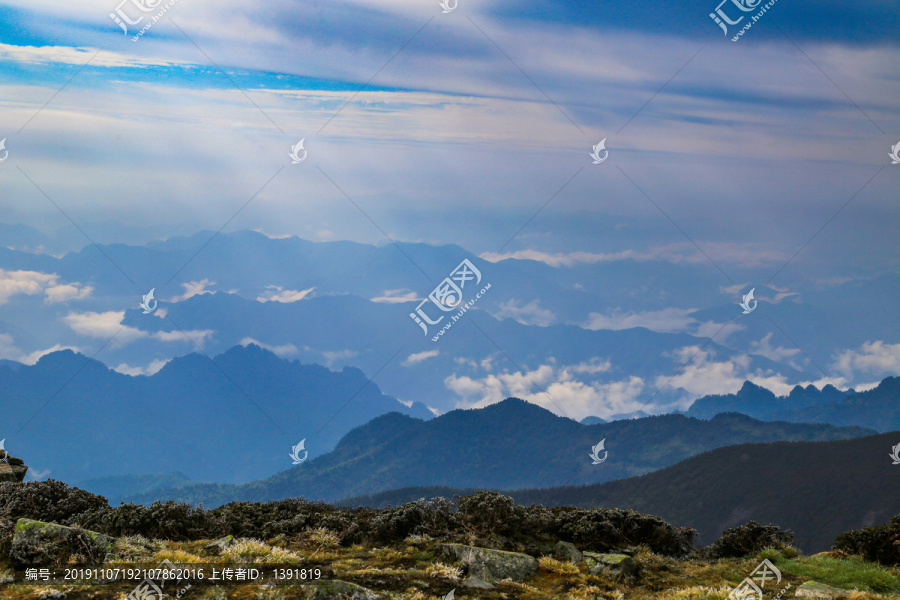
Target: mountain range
[[815, 489], [509, 445], [228, 418]]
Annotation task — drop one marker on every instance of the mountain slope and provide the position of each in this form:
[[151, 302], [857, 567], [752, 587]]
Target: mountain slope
[[816, 489], [508, 445], [233, 418]]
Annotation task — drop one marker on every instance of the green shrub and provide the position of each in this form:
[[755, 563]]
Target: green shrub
[[52, 501], [749, 539], [878, 544]]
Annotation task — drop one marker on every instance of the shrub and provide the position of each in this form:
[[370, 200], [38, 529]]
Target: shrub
[[52, 501], [413, 518], [749, 539], [160, 520], [605, 529], [878, 544]]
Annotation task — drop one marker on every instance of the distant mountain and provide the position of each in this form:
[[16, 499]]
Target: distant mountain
[[11, 364], [116, 487], [816, 489], [508, 445], [878, 408], [592, 421], [233, 418]]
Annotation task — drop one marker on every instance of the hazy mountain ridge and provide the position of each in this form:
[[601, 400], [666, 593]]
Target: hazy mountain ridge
[[509, 445], [204, 418]]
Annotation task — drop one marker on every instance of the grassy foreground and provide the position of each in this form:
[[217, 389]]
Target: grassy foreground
[[413, 570]]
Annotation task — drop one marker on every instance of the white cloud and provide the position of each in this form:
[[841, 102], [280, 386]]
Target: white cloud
[[32, 282], [78, 56], [765, 348], [10, 351], [529, 314], [565, 395], [274, 293], [284, 350], [104, 326], [872, 359], [396, 296], [198, 336], [150, 369], [414, 359], [194, 288]]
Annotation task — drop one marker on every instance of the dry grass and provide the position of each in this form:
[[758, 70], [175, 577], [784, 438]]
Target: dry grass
[[251, 550], [559, 567], [441, 571]]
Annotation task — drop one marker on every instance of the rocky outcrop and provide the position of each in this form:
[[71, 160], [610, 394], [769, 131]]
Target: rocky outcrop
[[491, 565], [566, 552], [217, 547], [617, 566], [36, 544], [820, 591], [11, 468]]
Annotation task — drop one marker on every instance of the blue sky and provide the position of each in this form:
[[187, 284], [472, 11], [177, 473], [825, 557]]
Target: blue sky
[[482, 116]]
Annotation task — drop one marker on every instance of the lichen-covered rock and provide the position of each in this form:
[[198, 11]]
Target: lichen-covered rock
[[335, 589], [566, 552], [618, 566], [491, 565], [819, 591], [36, 543]]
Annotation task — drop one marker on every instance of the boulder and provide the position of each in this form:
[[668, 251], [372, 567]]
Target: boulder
[[566, 552], [491, 565], [217, 547], [14, 473], [335, 589], [38, 544], [617, 566], [819, 591]]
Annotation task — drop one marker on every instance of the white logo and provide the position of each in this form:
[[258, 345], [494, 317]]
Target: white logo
[[6, 155], [451, 595], [121, 18], [448, 297], [749, 588], [595, 452], [295, 452], [895, 154], [748, 298], [895, 455], [295, 153], [596, 153], [6, 459], [146, 300], [743, 5], [447, 6]]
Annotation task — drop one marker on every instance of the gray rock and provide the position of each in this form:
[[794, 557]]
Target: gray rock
[[566, 552], [335, 589], [37, 544], [478, 584], [13, 473], [217, 547], [491, 565], [12, 460], [819, 591], [617, 566]]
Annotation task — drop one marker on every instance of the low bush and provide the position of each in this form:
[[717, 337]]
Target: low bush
[[877, 544], [749, 539]]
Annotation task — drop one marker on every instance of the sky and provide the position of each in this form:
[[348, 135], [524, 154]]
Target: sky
[[469, 127], [472, 126]]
